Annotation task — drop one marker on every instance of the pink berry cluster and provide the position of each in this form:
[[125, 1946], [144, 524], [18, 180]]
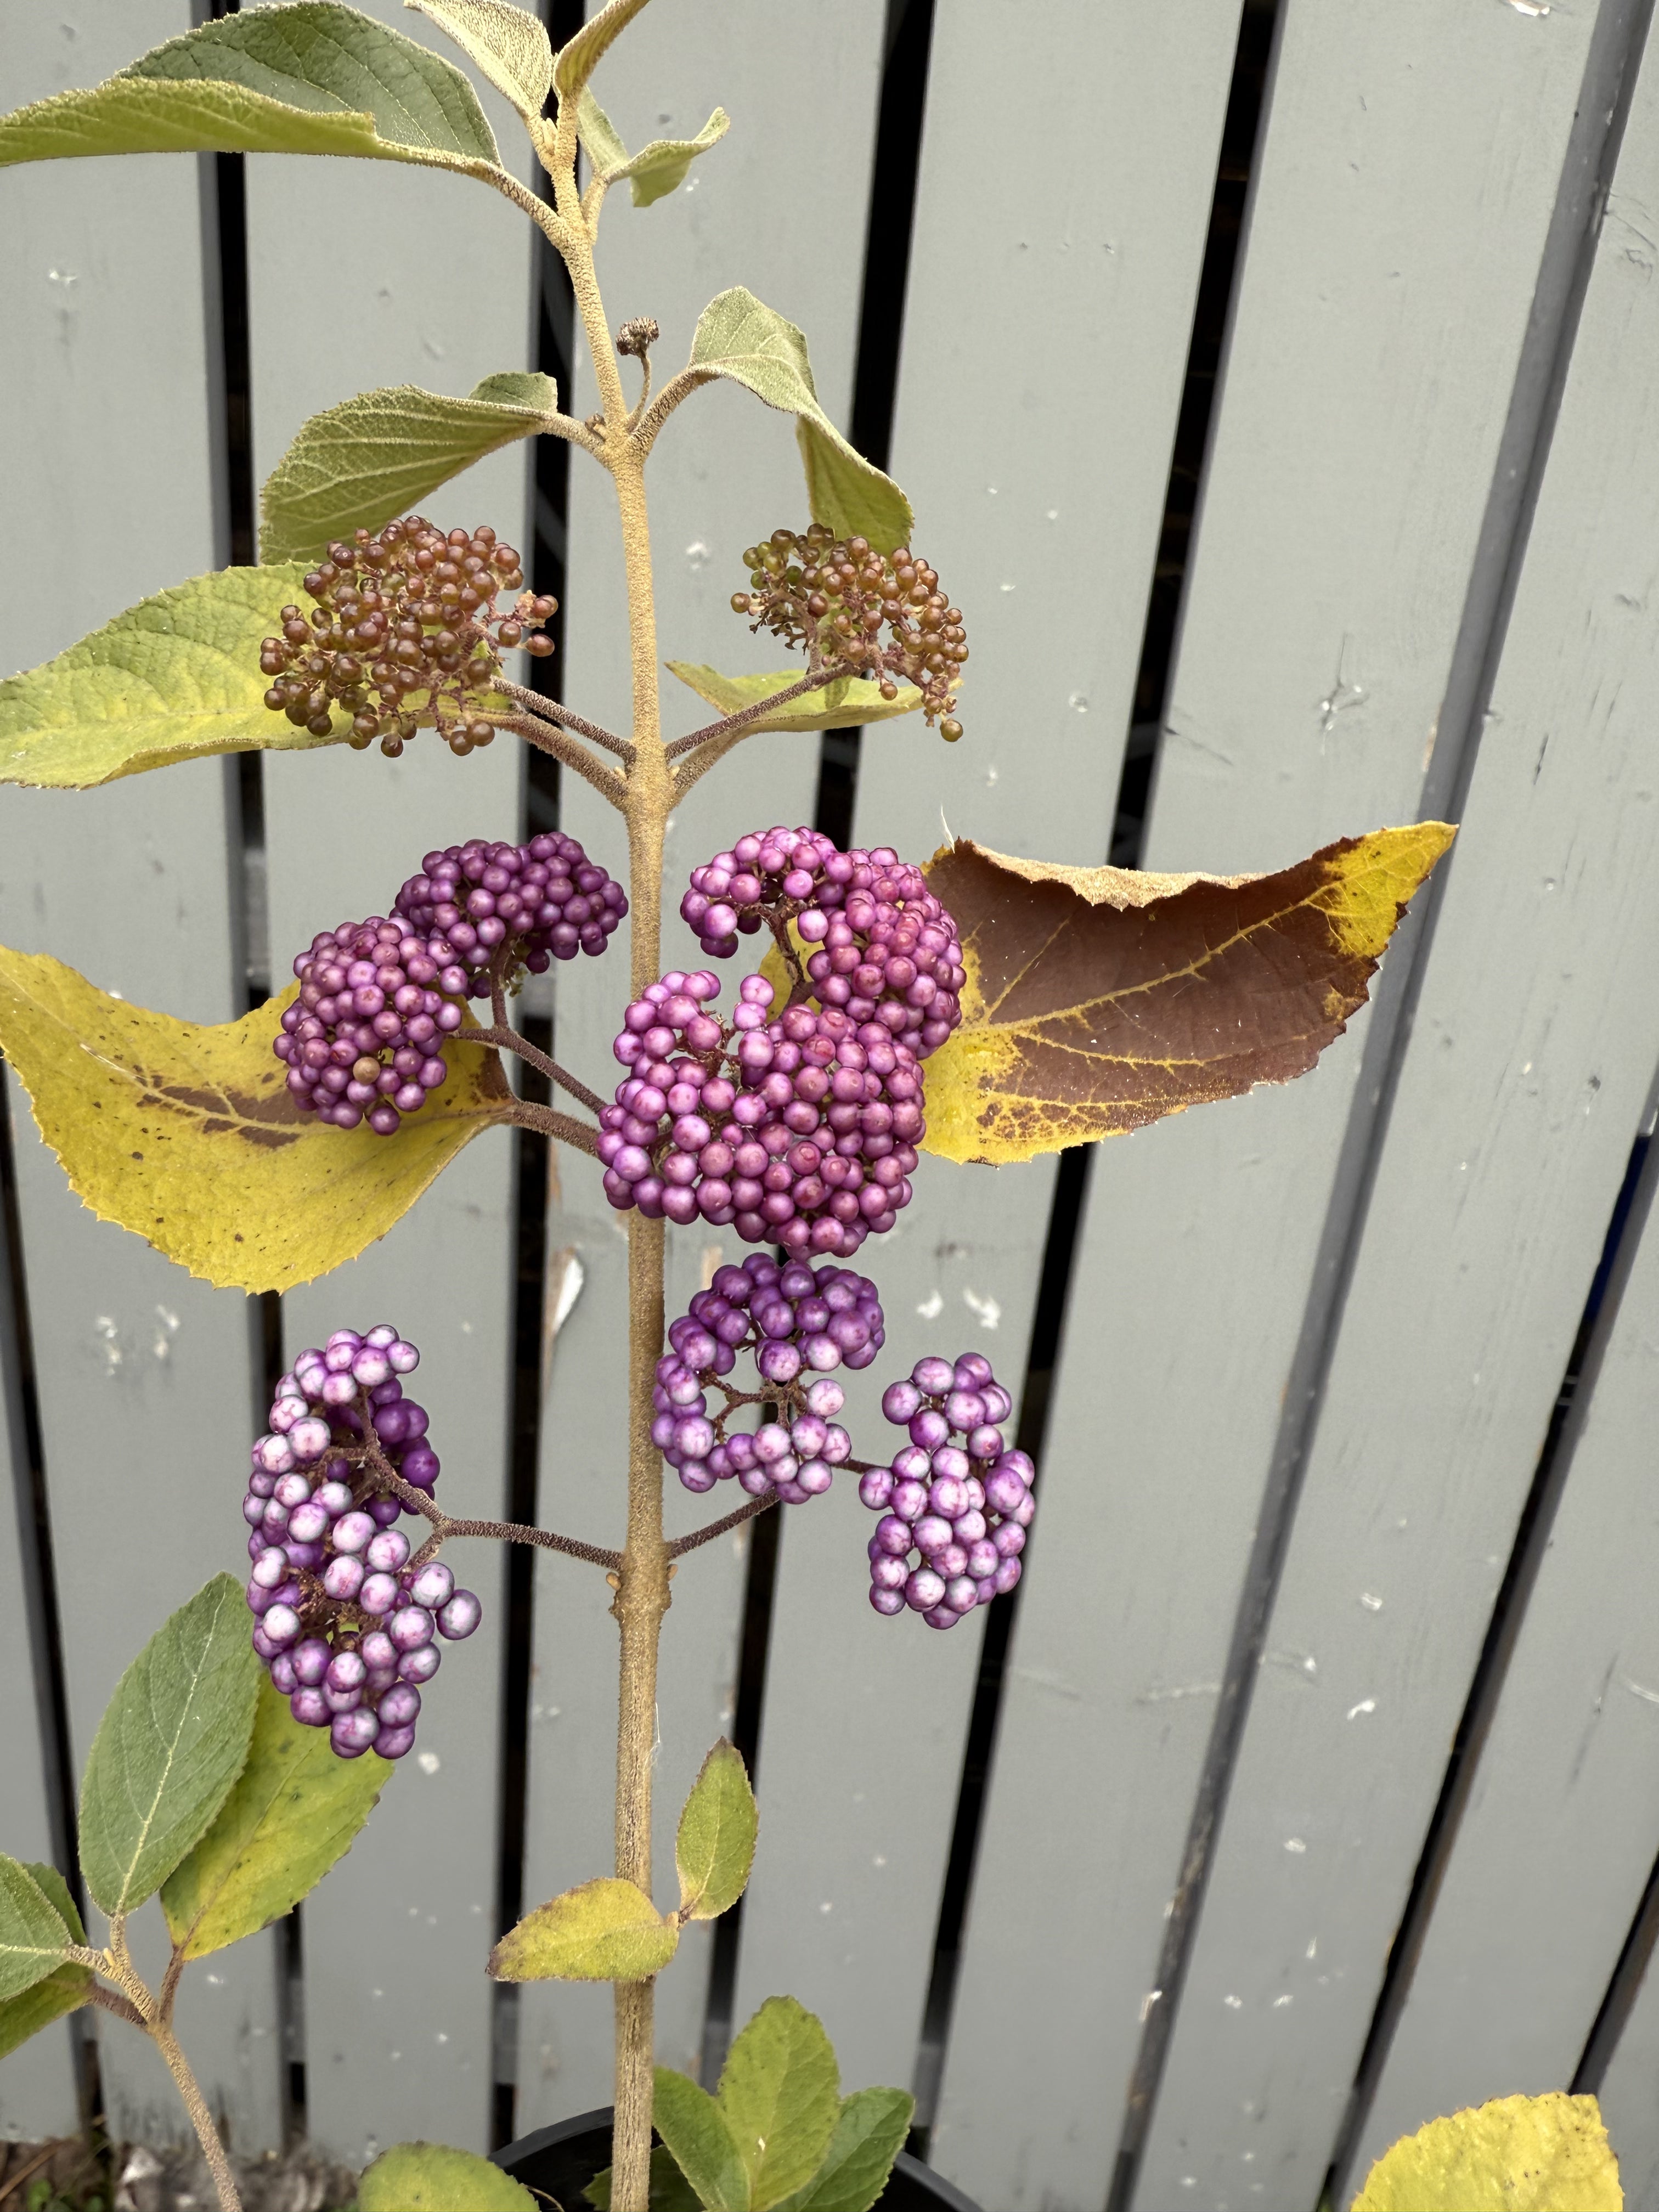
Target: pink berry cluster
[[800, 1131], [544, 901], [345, 1618], [885, 949], [954, 1514], [799, 1324]]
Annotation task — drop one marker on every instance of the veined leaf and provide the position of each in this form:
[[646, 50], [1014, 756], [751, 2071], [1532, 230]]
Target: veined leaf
[[657, 169], [509, 43], [63, 1991], [172, 679], [669, 2191], [305, 77], [1098, 1000], [738, 336], [578, 58], [702, 2144], [1547, 2154], [34, 1934], [845, 702], [605, 1931], [357, 464], [169, 1749], [779, 2095], [296, 1809], [188, 1136], [869, 2135], [423, 2177], [714, 1847]]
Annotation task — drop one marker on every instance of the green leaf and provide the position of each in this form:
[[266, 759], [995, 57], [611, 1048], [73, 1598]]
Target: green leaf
[[53, 1882], [579, 56], [169, 1747], [34, 1935], [356, 465], [715, 1848], [187, 1133], [1547, 2154], [63, 1991], [737, 337], [670, 2190], [869, 2135], [702, 2143], [780, 2094], [295, 1810], [845, 702], [309, 78], [423, 2177], [657, 169], [605, 1931], [509, 43], [174, 678]]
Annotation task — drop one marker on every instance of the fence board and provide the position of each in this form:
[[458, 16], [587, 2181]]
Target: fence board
[[1565, 1812], [398, 2012], [1505, 1154], [722, 473], [1627, 2094], [143, 1373], [1384, 251], [845, 1903]]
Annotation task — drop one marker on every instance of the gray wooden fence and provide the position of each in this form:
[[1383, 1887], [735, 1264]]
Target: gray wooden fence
[[1275, 385]]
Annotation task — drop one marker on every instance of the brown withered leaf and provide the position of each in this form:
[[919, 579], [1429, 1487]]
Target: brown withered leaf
[[1098, 1000]]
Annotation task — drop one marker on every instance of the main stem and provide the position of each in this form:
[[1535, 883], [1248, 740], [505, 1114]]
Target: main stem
[[641, 1597]]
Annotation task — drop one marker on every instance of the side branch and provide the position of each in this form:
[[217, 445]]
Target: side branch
[[682, 1545], [509, 1040], [501, 1532], [679, 386], [735, 725], [553, 711], [547, 737], [564, 1126]]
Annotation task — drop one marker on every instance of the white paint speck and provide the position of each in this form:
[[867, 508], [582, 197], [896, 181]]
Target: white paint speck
[[1280, 2002], [1370, 1600], [932, 1306], [697, 555], [1078, 702], [1147, 2002], [1295, 1845], [826, 1906], [428, 1761], [1052, 515], [989, 1312], [1365, 1705], [1233, 2003], [1007, 587], [1312, 1951]]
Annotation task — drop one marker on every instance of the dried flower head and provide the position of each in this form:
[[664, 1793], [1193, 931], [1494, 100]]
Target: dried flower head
[[637, 336], [869, 614], [404, 632]]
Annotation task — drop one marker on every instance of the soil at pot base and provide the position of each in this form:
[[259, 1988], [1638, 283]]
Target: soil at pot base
[[559, 2161]]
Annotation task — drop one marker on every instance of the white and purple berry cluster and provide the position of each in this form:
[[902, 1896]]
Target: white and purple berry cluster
[[544, 901], [799, 1324], [800, 1132], [886, 950], [954, 1514], [344, 1619], [364, 1039]]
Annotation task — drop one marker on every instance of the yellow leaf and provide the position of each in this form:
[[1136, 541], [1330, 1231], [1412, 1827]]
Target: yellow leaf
[[1098, 1000], [605, 1931], [1517, 2155], [187, 1135], [841, 704]]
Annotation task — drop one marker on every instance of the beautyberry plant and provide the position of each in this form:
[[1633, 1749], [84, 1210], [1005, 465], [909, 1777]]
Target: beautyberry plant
[[985, 1008]]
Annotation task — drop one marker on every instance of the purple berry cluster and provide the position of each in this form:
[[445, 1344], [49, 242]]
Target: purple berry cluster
[[954, 1514], [544, 901], [886, 950], [365, 1036], [344, 1618], [800, 1132], [800, 1323]]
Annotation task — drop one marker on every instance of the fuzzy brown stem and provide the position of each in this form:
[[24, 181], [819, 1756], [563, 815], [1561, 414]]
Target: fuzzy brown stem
[[734, 726], [549, 710], [548, 737], [569, 1131], [682, 1545], [443, 1526], [509, 1040], [162, 2035]]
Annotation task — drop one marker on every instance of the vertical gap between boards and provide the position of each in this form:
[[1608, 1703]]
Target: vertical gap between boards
[[20, 1413], [551, 340], [1200, 382], [907, 41]]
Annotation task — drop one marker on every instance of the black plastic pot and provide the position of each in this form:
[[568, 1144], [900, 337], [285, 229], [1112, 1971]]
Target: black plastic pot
[[562, 2161]]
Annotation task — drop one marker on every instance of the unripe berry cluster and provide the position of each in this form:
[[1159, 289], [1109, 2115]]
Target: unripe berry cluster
[[839, 595], [885, 949], [404, 632], [954, 1514], [799, 1324], [543, 900], [800, 1132], [344, 1619]]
